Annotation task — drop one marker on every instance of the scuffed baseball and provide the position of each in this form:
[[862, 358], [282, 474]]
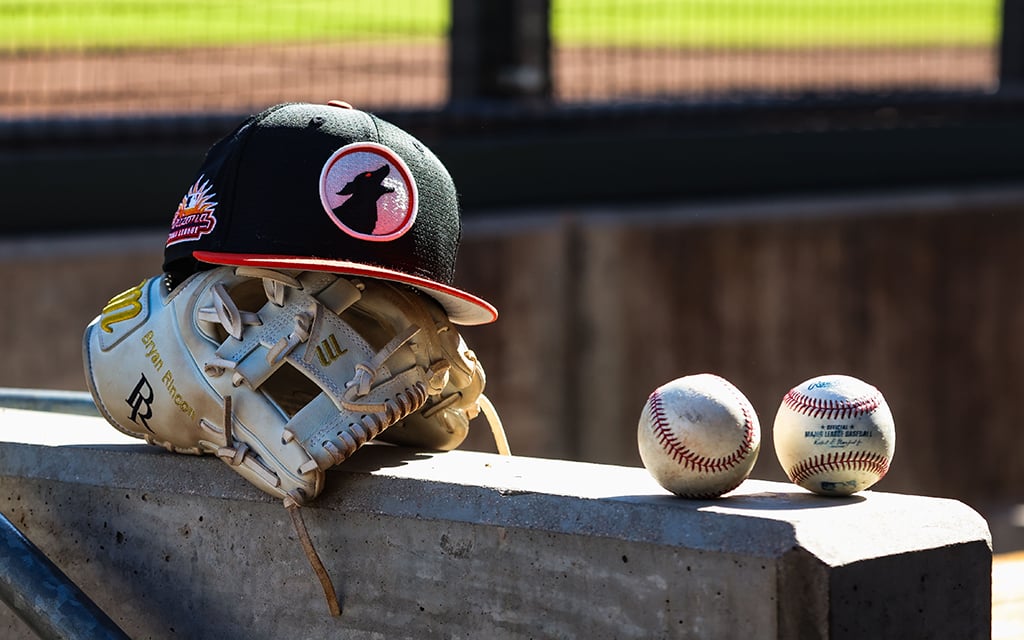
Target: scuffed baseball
[[698, 436], [834, 435]]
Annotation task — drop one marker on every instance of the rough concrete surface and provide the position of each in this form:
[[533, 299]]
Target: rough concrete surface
[[474, 545]]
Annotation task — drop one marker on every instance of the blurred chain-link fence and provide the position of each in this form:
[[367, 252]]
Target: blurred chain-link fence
[[122, 57]]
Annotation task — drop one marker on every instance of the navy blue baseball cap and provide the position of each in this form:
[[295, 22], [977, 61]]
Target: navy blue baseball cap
[[325, 188]]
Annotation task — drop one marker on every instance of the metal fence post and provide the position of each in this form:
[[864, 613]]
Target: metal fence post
[[43, 597], [500, 50], [1011, 46]]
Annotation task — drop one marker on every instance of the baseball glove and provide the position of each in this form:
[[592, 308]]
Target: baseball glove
[[283, 374]]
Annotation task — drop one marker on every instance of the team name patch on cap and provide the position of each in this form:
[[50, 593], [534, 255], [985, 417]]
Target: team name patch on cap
[[369, 192], [195, 215]]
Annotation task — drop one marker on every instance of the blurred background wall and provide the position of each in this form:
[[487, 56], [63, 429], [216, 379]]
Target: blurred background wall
[[764, 189]]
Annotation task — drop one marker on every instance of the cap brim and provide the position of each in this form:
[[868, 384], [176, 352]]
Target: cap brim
[[463, 308]]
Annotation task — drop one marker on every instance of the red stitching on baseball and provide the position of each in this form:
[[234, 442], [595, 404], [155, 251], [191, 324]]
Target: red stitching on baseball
[[686, 456], [831, 409], [846, 461]]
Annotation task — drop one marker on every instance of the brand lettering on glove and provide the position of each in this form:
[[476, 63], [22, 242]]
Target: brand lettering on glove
[[141, 395], [123, 306], [329, 350]]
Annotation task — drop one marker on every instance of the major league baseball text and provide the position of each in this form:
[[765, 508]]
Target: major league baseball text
[[698, 436], [834, 435]]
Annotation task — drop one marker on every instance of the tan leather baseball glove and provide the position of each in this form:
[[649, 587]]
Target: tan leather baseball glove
[[283, 374]]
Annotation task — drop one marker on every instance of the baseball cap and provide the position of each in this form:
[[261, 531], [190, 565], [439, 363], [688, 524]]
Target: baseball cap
[[326, 188]]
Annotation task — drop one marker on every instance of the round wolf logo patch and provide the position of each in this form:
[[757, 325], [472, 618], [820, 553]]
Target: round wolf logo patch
[[368, 192]]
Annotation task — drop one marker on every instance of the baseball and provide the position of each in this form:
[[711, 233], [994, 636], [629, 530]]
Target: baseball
[[834, 435], [698, 436]]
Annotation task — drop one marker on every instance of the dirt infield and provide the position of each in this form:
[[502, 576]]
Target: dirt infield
[[1008, 596], [395, 76]]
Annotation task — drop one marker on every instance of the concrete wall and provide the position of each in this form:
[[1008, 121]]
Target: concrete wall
[[917, 293], [475, 545]]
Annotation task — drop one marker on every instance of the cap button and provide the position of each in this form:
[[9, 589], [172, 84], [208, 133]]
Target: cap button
[[340, 103]]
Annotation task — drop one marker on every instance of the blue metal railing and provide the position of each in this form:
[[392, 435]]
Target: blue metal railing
[[30, 584], [76, 402]]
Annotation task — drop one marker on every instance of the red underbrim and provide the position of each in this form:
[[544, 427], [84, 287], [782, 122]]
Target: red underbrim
[[463, 308]]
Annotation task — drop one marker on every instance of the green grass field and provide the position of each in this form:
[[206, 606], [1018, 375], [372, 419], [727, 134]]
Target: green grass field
[[778, 23], [136, 23], [83, 24]]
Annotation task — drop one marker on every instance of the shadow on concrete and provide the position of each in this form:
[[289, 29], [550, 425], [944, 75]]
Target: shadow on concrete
[[773, 501], [764, 501]]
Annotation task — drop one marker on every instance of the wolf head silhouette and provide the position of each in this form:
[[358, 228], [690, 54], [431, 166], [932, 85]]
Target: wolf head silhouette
[[359, 211]]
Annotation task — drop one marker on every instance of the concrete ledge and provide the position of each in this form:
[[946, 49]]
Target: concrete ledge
[[466, 544]]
